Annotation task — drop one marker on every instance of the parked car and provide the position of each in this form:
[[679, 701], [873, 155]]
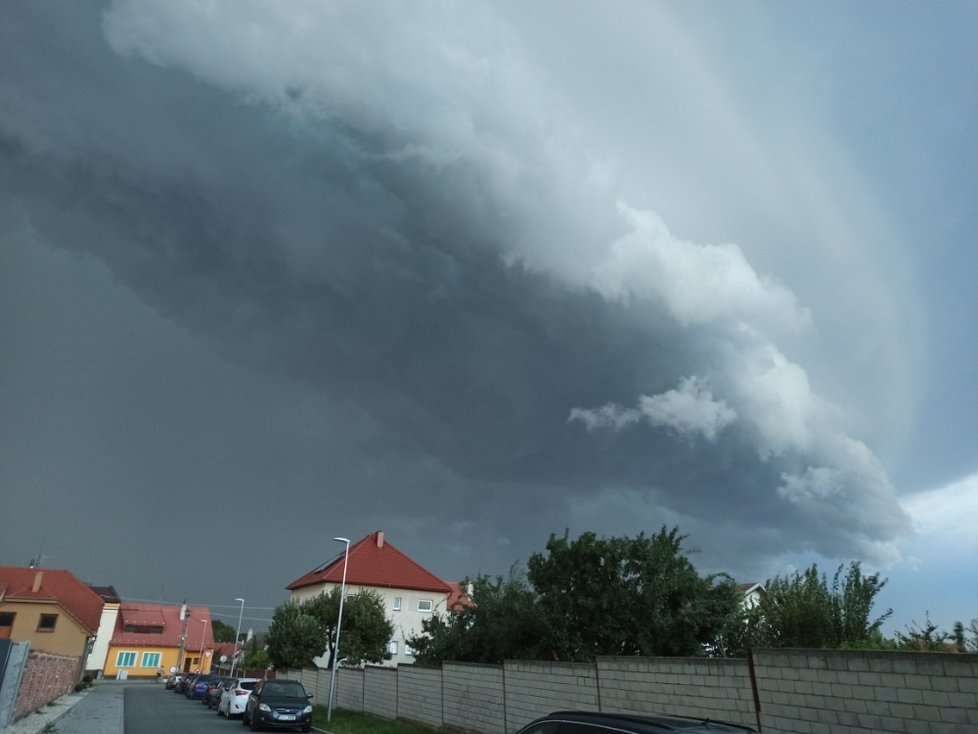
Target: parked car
[[592, 722], [198, 688], [173, 681], [235, 697], [213, 693], [280, 704], [184, 682]]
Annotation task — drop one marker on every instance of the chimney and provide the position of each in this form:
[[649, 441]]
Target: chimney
[[37, 581], [380, 538]]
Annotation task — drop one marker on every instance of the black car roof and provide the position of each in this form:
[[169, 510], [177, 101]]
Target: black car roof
[[649, 723]]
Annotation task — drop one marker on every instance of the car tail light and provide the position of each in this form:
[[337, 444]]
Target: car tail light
[[239, 692]]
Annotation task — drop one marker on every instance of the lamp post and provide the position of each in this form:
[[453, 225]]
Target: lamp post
[[203, 631], [237, 638], [339, 625]]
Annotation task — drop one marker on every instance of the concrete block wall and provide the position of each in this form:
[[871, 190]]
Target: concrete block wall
[[535, 688], [380, 691], [46, 678], [809, 691], [419, 695], [349, 689], [699, 687], [473, 697]]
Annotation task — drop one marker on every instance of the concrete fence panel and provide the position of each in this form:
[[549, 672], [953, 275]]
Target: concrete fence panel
[[805, 691], [349, 689], [698, 687], [13, 660], [419, 695], [380, 691], [535, 688], [474, 699]]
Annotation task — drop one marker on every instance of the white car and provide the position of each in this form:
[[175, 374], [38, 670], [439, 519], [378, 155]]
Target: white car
[[234, 699]]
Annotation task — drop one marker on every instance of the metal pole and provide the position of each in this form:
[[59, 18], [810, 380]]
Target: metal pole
[[339, 625], [237, 637]]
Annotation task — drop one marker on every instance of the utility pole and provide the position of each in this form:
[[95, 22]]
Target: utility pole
[[185, 616]]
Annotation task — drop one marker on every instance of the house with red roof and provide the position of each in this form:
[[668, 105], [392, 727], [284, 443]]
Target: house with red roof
[[410, 593], [149, 636], [51, 609]]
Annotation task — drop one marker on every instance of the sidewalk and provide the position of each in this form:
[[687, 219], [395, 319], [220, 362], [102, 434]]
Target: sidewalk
[[95, 711]]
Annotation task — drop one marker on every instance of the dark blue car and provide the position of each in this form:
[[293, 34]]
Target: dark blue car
[[198, 689]]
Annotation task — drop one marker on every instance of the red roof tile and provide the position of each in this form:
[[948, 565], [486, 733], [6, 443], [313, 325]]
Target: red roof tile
[[54, 585], [167, 615], [458, 600], [374, 562]]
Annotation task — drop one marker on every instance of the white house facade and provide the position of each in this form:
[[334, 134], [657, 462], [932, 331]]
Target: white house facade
[[410, 593]]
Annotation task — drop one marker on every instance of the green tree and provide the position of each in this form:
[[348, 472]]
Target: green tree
[[803, 610], [294, 637], [366, 630], [502, 620], [926, 637], [257, 659], [222, 632], [627, 596], [960, 641]]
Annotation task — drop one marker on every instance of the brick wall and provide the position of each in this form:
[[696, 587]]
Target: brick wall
[[473, 697], [46, 678], [807, 691], [536, 688], [419, 695], [719, 689]]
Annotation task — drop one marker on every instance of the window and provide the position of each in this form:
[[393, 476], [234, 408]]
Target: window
[[6, 624], [125, 659], [397, 603], [424, 605], [150, 660], [392, 647], [408, 650], [47, 623]]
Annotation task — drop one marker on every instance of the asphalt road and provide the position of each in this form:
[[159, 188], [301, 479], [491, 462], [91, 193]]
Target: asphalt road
[[154, 710]]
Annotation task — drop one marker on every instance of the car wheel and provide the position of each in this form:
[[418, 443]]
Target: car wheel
[[255, 726], [244, 718]]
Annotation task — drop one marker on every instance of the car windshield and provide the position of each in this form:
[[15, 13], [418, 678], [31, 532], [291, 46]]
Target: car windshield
[[247, 685], [293, 690]]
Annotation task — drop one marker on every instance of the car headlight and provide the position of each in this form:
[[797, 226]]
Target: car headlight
[[307, 710], [264, 707]]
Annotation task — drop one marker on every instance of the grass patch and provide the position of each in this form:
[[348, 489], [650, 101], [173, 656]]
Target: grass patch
[[49, 729], [349, 722]]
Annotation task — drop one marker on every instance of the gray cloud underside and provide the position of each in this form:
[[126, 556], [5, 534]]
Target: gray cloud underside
[[318, 251]]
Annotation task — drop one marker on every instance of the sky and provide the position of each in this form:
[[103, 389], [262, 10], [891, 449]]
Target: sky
[[478, 273]]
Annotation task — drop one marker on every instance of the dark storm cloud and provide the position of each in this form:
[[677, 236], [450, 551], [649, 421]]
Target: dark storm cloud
[[447, 287]]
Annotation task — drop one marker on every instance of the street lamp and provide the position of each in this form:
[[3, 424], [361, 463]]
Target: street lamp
[[237, 637], [339, 625]]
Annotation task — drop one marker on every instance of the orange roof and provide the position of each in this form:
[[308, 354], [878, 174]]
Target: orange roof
[[374, 562], [167, 616], [53, 585]]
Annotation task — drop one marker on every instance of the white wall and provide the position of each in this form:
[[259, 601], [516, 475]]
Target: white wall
[[106, 626]]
